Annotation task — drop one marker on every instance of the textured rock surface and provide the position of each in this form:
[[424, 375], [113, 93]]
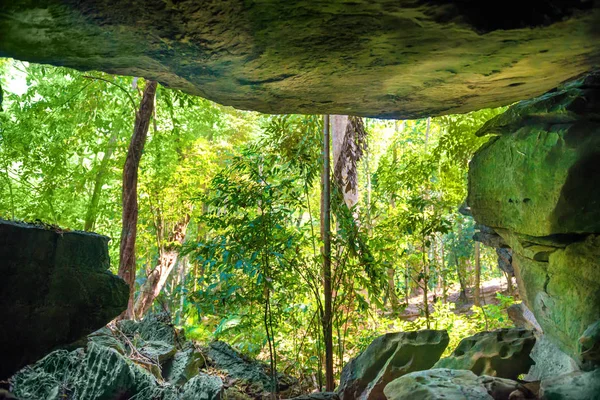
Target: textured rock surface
[[237, 366], [574, 386], [589, 345], [522, 317], [503, 353], [550, 361], [108, 368], [387, 358], [547, 152], [55, 289], [384, 57], [435, 384], [545, 203]]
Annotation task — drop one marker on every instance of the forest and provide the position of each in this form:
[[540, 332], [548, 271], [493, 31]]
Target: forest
[[248, 231]]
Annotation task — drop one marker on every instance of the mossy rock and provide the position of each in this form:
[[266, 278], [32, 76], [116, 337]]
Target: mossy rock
[[503, 353], [387, 358]]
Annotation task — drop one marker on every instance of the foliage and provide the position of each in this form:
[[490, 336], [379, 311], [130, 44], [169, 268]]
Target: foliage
[[246, 187]]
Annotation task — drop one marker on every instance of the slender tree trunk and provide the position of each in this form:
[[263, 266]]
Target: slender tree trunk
[[129, 193], [326, 233], [477, 292], [443, 274], [90, 217], [157, 278], [425, 285]]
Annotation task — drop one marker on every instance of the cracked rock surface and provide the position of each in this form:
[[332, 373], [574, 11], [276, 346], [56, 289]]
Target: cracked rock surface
[[384, 58]]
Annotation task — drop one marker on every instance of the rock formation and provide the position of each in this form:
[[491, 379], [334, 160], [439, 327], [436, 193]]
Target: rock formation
[[55, 288], [546, 203], [387, 358], [373, 58], [435, 384], [148, 359], [503, 353], [251, 373]]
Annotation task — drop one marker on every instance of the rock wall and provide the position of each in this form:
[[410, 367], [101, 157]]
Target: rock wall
[[54, 289], [537, 184], [389, 58]]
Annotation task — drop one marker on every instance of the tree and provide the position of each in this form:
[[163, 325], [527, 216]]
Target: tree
[[127, 259]]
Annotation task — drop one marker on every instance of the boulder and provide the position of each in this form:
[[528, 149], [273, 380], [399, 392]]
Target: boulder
[[573, 386], [550, 361], [537, 184], [55, 289], [405, 59], [239, 367], [203, 387], [319, 396], [118, 365], [522, 317], [589, 345], [437, 384], [387, 358], [503, 353], [183, 366]]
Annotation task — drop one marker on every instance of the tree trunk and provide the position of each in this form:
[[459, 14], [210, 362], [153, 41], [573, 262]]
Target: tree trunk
[[476, 292], [443, 274], [158, 276], [327, 320], [129, 193], [90, 217], [425, 284]]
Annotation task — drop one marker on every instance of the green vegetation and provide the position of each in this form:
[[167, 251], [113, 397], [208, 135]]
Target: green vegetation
[[229, 205]]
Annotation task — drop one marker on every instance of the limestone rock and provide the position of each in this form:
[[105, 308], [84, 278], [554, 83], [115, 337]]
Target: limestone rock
[[183, 366], [435, 384], [503, 353], [237, 366], [562, 292], [550, 361], [522, 317], [319, 396], [547, 151], [589, 345], [573, 386], [545, 203], [55, 289], [405, 58], [103, 370], [387, 358], [203, 387]]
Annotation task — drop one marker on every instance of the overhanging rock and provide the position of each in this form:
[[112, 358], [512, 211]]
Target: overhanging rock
[[388, 58], [54, 289]]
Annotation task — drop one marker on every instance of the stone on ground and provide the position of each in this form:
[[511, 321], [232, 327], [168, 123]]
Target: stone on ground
[[503, 353], [55, 289], [436, 384], [387, 358], [573, 386], [252, 372]]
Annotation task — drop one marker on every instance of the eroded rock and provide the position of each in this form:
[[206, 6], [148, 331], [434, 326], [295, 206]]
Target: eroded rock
[[121, 362], [537, 185], [522, 317], [503, 353], [378, 58], [252, 372], [573, 386], [437, 384], [387, 358], [550, 361], [55, 289]]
